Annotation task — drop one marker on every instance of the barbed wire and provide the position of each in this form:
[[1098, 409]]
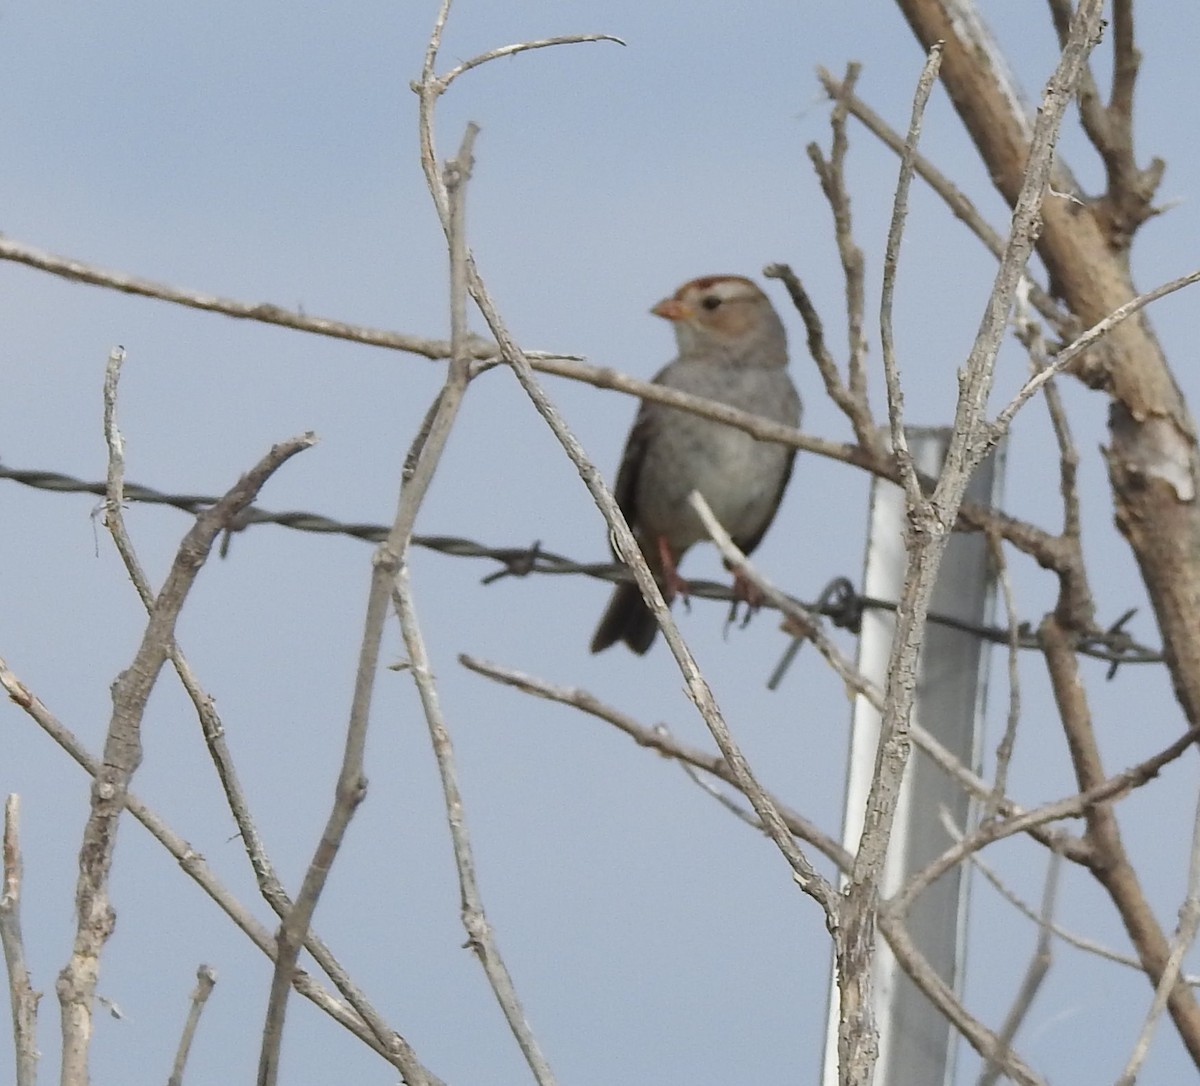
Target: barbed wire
[[839, 601]]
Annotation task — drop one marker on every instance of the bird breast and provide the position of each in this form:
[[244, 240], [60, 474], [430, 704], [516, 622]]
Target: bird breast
[[738, 475]]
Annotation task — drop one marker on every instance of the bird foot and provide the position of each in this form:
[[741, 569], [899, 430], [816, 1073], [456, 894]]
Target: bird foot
[[747, 592]]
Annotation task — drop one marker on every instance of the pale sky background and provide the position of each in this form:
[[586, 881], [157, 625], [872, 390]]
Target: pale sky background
[[268, 152]]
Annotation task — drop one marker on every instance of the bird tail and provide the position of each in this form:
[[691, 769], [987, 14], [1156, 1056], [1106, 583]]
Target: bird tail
[[628, 619]]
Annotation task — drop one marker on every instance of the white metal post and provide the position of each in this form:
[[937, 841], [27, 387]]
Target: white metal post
[[916, 1043]]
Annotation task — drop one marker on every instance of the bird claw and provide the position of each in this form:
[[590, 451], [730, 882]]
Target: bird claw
[[678, 586], [747, 592]]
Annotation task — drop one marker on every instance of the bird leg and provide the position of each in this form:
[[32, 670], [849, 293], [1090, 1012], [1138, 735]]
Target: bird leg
[[673, 584], [744, 591]]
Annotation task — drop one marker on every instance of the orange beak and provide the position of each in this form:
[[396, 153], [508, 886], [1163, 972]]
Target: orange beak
[[672, 309]]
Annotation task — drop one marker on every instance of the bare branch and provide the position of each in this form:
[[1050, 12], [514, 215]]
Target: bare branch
[[206, 978], [521, 47], [196, 869], [832, 175], [269, 884], [262, 312], [1039, 966], [958, 203], [1004, 751], [480, 937], [926, 540], [122, 749], [419, 468], [1092, 113], [1104, 791], [851, 399], [656, 739], [798, 616], [1189, 921], [1110, 863], [1080, 942], [698, 690], [351, 784], [23, 1000], [1069, 353], [891, 371], [939, 993], [1127, 203]]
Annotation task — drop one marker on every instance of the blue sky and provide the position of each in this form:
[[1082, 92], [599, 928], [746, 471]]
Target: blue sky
[[269, 152]]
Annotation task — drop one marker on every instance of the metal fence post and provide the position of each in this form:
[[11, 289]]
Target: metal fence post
[[916, 1044]]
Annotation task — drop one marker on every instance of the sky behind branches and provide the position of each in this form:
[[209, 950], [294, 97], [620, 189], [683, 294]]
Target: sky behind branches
[[269, 152]]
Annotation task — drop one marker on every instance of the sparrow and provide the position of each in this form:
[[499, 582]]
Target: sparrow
[[732, 348]]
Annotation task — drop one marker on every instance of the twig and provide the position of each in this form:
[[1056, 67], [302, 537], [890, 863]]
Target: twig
[[1030, 334], [480, 937], [194, 866], [728, 802], [927, 537], [268, 882], [1080, 942], [115, 522], [122, 749], [560, 365], [852, 396], [1185, 935], [798, 615], [1104, 791], [925, 741], [1109, 862], [23, 1000], [958, 203], [351, 785], [1039, 966], [887, 342], [698, 690], [1082, 343], [521, 47], [206, 978], [1004, 751], [833, 182], [264, 313], [423, 460], [939, 993], [1127, 202], [1076, 605], [656, 739], [851, 399]]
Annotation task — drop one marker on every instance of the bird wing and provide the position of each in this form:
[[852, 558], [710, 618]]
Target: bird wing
[[747, 545], [625, 488]]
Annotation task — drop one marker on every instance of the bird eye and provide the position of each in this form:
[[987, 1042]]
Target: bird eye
[[710, 302]]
